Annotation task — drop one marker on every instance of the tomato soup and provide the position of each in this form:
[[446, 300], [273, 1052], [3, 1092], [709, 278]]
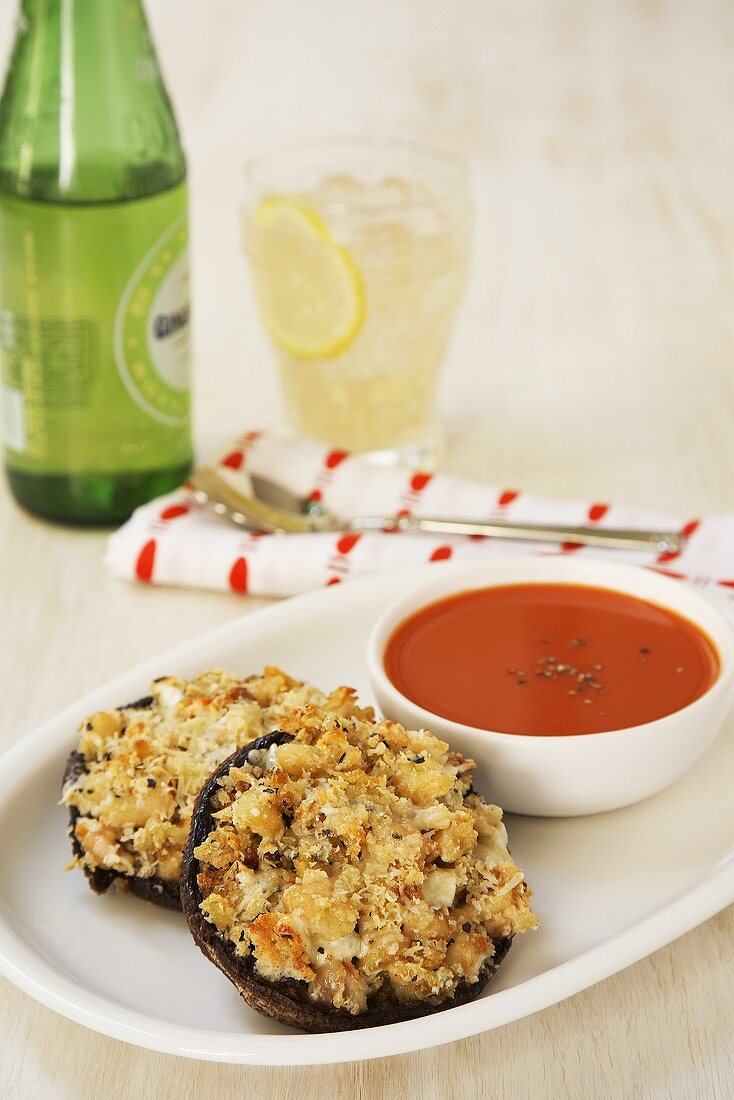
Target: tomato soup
[[549, 659]]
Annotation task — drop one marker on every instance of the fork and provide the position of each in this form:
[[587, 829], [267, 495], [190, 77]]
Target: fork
[[274, 509]]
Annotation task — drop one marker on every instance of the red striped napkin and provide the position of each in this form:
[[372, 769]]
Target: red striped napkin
[[175, 541]]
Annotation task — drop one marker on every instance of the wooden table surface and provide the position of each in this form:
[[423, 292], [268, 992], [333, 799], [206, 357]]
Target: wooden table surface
[[593, 357]]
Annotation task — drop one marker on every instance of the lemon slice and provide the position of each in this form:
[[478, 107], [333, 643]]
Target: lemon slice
[[310, 289]]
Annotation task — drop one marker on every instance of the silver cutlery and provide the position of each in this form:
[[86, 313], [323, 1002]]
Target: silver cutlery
[[274, 509]]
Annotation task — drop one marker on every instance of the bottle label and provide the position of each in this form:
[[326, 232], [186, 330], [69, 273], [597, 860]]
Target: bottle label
[[152, 329], [13, 409], [94, 334]]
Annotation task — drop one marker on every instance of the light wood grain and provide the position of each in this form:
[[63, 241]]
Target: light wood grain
[[593, 358]]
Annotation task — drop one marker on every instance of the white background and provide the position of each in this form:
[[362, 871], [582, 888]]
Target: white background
[[598, 141]]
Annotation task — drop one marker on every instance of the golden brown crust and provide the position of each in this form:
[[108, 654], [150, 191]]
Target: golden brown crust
[[155, 890], [346, 876], [131, 783]]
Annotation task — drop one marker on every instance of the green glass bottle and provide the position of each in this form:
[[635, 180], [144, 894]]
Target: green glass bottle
[[94, 307]]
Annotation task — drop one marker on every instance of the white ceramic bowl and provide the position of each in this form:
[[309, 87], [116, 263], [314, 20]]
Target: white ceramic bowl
[[581, 774]]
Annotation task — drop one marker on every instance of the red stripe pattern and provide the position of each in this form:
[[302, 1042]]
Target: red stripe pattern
[[174, 511], [146, 561], [238, 576], [594, 513], [687, 530]]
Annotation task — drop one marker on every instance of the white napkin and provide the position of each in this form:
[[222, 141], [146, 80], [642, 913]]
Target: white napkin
[[175, 541]]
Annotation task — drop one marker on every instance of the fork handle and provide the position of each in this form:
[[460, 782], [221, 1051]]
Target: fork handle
[[612, 537]]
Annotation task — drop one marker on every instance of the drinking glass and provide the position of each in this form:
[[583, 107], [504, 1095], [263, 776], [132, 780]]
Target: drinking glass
[[359, 250]]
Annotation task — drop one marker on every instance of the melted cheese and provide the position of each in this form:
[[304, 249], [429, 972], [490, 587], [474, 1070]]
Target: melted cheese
[[145, 766], [370, 864]]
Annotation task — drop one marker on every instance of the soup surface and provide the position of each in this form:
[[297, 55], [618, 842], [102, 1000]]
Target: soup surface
[[549, 659]]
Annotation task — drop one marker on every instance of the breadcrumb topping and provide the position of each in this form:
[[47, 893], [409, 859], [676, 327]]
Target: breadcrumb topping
[[145, 764], [355, 857]]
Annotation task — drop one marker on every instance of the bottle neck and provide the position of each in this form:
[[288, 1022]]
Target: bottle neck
[[85, 116]]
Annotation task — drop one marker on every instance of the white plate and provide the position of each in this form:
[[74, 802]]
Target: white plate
[[608, 889]]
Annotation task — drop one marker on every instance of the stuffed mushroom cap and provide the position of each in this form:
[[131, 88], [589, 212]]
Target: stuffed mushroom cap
[[342, 873], [131, 782]]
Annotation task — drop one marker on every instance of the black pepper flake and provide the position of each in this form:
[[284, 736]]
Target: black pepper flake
[[151, 782], [355, 960], [341, 758], [522, 681], [89, 725], [644, 649], [419, 759], [467, 927], [320, 950], [242, 936]]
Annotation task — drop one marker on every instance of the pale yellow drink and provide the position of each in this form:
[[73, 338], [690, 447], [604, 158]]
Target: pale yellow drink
[[358, 283]]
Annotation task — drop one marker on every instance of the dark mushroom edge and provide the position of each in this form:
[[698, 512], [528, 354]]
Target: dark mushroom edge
[[287, 1000], [156, 890]]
